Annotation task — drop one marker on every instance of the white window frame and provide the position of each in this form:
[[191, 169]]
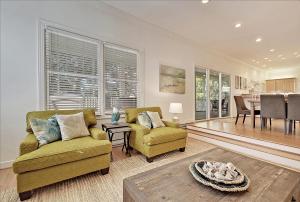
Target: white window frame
[[41, 77]]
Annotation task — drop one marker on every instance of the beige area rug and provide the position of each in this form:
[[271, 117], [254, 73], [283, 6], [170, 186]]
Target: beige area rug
[[95, 187]]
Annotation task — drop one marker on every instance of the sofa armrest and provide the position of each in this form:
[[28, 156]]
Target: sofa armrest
[[97, 133], [29, 144], [139, 130], [171, 124]]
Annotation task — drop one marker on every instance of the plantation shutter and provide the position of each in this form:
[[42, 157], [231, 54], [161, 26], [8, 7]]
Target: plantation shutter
[[120, 78], [73, 67]]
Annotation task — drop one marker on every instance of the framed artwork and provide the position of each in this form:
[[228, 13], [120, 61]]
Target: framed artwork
[[171, 79]]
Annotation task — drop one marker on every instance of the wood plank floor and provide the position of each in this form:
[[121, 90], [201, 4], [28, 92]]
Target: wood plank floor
[[275, 134]]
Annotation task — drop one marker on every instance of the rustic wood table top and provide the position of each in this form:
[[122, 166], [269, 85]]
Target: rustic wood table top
[[173, 182]]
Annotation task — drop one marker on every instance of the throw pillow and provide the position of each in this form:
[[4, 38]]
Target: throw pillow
[[144, 120], [46, 131], [155, 119], [72, 126]]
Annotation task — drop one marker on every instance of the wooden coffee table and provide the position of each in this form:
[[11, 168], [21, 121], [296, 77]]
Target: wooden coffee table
[[173, 182]]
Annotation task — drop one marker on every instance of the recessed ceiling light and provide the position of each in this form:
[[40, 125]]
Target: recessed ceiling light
[[279, 56], [270, 60], [238, 25], [266, 58], [253, 60], [272, 50], [205, 1], [258, 39], [283, 58], [264, 65], [257, 62], [295, 53]]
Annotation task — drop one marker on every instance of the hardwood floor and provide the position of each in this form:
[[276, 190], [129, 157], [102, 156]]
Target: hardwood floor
[[275, 134]]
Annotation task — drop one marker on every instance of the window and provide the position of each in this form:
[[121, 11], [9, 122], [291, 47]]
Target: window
[[120, 77], [72, 70]]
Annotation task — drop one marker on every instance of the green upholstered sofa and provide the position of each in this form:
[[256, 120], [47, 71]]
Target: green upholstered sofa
[[60, 160], [152, 142]]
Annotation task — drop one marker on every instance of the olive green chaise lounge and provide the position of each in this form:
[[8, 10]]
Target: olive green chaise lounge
[[155, 141], [60, 160]]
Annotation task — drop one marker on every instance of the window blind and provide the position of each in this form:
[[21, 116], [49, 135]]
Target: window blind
[[72, 66], [120, 78]]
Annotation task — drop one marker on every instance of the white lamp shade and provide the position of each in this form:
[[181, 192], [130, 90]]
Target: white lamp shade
[[175, 108]]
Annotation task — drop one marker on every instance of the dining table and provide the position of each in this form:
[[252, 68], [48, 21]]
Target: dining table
[[255, 104]]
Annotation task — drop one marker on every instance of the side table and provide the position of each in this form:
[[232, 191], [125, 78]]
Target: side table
[[124, 128]]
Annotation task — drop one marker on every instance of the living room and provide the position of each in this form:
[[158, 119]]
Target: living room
[[146, 54]]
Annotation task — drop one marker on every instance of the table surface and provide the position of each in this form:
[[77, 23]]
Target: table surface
[[173, 182], [119, 125]]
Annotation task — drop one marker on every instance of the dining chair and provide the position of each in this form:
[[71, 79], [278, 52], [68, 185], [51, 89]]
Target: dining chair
[[293, 112], [273, 106], [242, 109]]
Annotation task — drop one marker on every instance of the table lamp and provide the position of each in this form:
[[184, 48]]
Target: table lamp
[[175, 108]]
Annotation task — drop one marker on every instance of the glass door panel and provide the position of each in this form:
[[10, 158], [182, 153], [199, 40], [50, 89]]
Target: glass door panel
[[201, 94], [214, 94], [225, 95]]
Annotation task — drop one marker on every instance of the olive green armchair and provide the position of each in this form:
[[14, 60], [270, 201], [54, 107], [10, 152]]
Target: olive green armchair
[[60, 160], [156, 141]]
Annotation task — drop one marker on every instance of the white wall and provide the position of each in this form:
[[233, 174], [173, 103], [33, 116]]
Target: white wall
[[290, 72], [19, 54]]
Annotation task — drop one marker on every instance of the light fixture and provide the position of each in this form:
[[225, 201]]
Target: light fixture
[[175, 108], [295, 53], [283, 58], [266, 58], [264, 65], [272, 50], [238, 25], [253, 60], [258, 40], [257, 62], [205, 1], [270, 60], [279, 56]]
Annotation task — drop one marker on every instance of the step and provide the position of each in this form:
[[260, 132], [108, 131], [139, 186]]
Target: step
[[274, 156]]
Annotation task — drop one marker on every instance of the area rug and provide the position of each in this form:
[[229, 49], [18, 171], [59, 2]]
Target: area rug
[[95, 187]]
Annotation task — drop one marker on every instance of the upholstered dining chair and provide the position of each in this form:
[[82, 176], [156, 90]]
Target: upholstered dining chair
[[242, 109], [272, 106], [293, 112]]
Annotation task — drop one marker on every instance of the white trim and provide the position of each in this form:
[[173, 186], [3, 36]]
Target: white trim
[[6, 164], [248, 140], [290, 163]]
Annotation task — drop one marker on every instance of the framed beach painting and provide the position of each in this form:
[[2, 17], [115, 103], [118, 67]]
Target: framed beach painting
[[171, 79]]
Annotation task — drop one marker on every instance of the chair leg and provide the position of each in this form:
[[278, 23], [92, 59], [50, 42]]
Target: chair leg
[[182, 149], [104, 171], [237, 118], [244, 118], [294, 125], [285, 129], [25, 195], [270, 122], [149, 159]]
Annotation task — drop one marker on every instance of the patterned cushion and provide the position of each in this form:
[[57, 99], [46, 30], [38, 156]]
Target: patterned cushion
[[144, 120], [155, 119], [72, 126], [46, 131]]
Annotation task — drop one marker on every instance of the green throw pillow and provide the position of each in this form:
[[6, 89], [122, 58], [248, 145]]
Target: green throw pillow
[[46, 131], [144, 120]]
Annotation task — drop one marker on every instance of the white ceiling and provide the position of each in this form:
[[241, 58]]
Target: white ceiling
[[212, 26]]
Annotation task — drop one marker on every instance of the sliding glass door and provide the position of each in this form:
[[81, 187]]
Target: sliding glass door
[[212, 94], [201, 94]]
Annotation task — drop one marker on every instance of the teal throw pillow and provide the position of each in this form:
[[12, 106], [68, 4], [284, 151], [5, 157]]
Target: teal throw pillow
[[46, 131], [144, 120]]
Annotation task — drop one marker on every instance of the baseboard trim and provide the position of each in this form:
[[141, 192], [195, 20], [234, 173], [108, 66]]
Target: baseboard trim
[[6, 164], [271, 158]]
